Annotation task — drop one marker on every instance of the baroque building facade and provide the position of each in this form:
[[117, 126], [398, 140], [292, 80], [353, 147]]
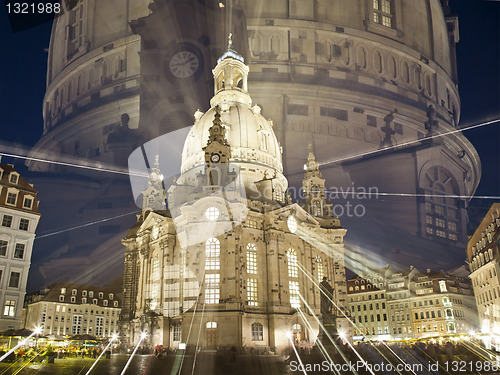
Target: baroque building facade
[[232, 261], [396, 304], [66, 309], [19, 217], [483, 257], [348, 77]]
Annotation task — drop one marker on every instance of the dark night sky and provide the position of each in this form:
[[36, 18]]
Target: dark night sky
[[23, 74]]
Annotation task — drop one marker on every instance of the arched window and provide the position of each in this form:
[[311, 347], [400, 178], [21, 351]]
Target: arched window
[[316, 208], [211, 325], [251, 258], [442, 205], [257, 332], [212, 254], [155, 284]]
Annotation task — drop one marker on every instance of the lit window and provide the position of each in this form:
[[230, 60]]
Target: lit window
[[212, 213], [3, 247], [294, 294], [24, 224], [321, 273], [212, 291], [155, 232], [63, 290], [292, 263], [6, 221], [442, 286], [28, 202], [251, 258], [212, 254], [252, 292], [19, 251], [10, 308], [257, 332], [11, 198], [211, 325], [383, 12]]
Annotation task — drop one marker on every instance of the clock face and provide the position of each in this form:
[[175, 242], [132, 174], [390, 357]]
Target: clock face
[[184, 64], [215, 158]]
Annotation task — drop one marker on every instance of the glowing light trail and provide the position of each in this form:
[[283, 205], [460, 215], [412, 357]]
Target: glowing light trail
[[74, 165], [85, 225], [37, 331], [113, 338], [143, 336], [289, 335], [408, 143]]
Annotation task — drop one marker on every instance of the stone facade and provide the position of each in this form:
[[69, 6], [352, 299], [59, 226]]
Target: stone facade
[[483, 256], [233, 262], [391, 304], [19, 217], [67, 309]]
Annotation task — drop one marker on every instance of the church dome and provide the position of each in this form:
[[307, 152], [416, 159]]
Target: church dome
[[254, 146]]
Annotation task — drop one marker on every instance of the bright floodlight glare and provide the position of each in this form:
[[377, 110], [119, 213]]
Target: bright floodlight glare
[[38, 330], [114, 337], [288, 334], [292, 224], [341, 334], [143, 335]]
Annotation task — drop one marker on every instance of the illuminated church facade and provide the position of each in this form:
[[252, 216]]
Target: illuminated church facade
[[232, 262]]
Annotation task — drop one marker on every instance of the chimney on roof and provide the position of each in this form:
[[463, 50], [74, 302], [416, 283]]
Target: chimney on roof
[[411, 268], [428, 270]]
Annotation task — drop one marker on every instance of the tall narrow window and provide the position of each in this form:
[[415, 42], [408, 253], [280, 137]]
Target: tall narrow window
[[212, 265], [251, 258], [442, 205], [75, 30], [383, 12], [293, 285], [212, 285], [252, 292], [212, 254], [292, 263], [321, 272], [294, 294], [155, 284]]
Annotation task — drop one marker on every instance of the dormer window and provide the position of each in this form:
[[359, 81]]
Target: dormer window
[[115, 303], [101, 295], [28, 202], [61, 298], [84, 293], [63, 290], [105, 302], [91, 294], [84, 300], [111, 296], [74, 292], [73, 299], [11, 198], [14, 177], [94, 301]]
